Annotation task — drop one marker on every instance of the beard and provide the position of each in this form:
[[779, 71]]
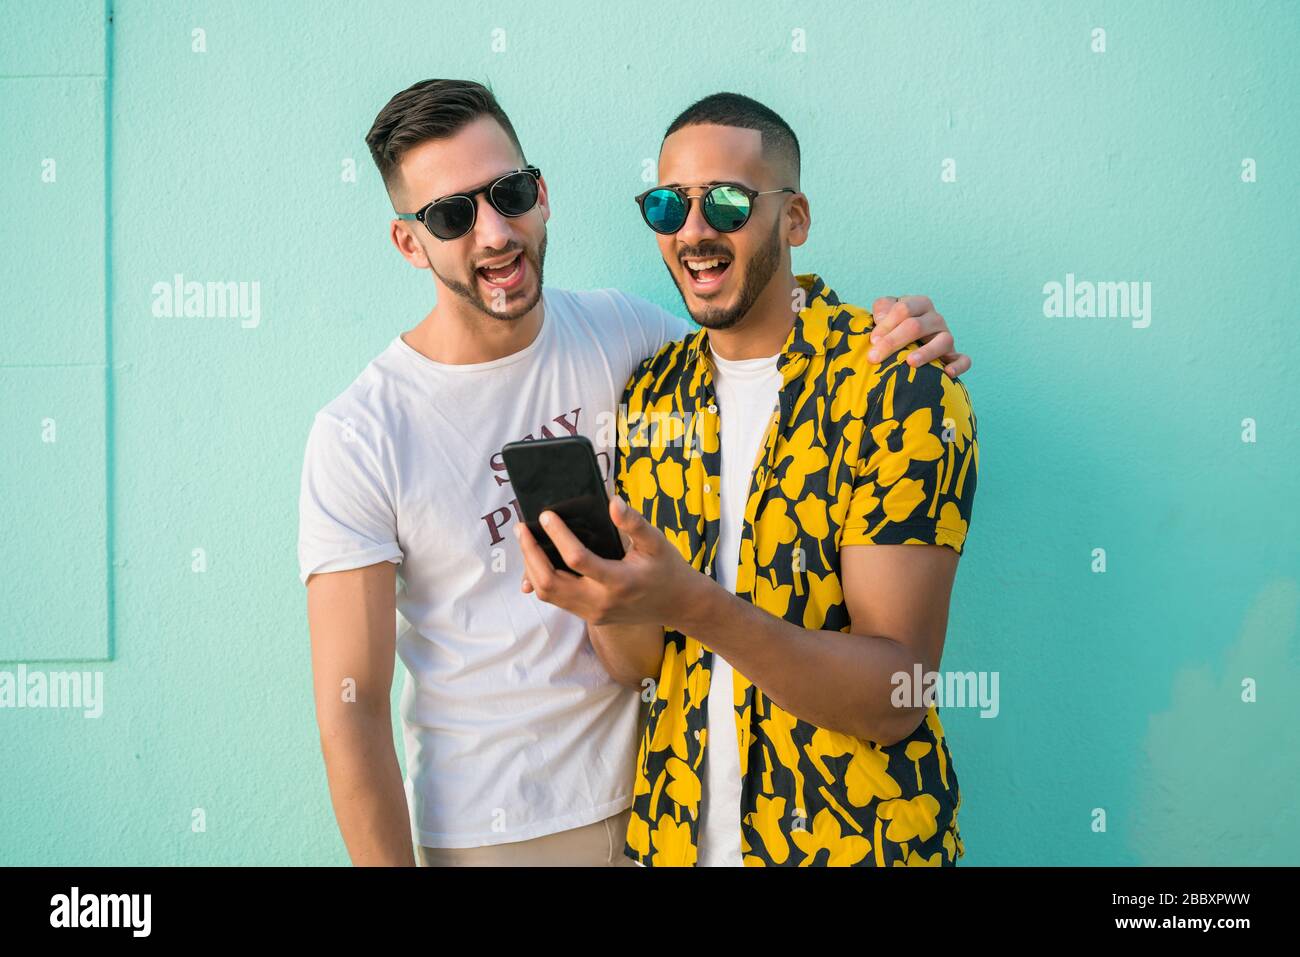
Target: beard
[[758, 272], [471, 293]]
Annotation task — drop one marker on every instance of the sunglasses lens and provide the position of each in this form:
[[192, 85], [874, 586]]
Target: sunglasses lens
[[726, 208], [515, 195], [450, 218], [663, 210]]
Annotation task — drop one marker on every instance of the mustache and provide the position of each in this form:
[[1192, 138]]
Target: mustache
[[498, 253], [704, 252]]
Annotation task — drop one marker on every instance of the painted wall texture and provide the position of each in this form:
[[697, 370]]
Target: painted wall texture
[[1132, 571]]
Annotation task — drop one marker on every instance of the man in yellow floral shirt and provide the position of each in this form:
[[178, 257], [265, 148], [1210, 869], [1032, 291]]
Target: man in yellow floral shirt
[[795, 507]]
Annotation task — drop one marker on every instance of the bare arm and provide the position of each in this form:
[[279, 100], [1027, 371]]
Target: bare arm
[[630, 653], [897, 598], [352, 615]]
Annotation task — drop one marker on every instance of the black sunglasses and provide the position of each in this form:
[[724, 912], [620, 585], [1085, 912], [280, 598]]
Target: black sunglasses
[[726, 206], [450, 217]]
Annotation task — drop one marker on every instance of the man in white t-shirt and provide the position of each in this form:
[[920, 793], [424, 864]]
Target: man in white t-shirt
[[520, 744]]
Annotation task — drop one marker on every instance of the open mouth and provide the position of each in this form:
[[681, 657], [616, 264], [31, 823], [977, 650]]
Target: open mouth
[[706, 273], [503, 275]]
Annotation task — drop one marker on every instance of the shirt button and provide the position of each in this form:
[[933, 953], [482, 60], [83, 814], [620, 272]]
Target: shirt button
[[708, 569], [707, 488], [713, 409]]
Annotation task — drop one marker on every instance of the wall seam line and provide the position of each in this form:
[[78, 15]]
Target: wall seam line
[[110, 509]]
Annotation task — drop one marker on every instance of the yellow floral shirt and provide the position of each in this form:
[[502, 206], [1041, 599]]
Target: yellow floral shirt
[[857, 453]]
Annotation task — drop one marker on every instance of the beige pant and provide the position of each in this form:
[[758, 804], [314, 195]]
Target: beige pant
[[599, 844]]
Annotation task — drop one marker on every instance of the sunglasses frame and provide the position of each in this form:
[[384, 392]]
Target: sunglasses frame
[[708, 188], [421, 215]]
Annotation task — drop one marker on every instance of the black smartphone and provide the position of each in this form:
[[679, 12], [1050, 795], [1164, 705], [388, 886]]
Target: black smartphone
[[562, 475]]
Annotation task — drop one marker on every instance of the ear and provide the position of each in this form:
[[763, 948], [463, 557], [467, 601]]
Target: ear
[[401, 232], [543, 198], [798, 220]]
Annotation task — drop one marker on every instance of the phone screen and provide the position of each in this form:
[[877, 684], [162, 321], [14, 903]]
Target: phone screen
[[562, 475]]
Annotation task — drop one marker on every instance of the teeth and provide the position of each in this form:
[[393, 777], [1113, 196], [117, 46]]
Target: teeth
[[701, 264]]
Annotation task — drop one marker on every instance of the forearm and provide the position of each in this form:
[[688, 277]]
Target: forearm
[[366, 789], [630, 653], [835, 680]]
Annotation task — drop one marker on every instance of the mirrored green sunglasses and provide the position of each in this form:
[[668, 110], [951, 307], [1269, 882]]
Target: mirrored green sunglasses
[[726, 206]]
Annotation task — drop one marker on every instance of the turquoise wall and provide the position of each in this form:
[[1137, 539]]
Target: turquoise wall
[[131, 440]]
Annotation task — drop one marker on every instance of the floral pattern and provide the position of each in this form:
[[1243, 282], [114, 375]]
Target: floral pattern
[[857, 453]]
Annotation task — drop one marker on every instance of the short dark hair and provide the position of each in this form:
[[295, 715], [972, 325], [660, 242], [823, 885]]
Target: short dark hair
[[733, 109], [430, 110]]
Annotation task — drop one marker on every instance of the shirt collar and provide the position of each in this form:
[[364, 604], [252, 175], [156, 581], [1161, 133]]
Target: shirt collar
[[811, 326]]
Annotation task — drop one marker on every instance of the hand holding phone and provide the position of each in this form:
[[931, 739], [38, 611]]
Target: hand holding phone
[[562, 475]]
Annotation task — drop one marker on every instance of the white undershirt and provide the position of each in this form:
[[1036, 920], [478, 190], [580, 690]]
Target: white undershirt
[[747, 392]]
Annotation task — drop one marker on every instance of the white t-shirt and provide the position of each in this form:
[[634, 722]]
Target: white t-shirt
[[747, 391], [512, 727]]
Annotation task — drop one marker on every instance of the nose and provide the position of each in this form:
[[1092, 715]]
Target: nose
[[491, 229], [696, 229]]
